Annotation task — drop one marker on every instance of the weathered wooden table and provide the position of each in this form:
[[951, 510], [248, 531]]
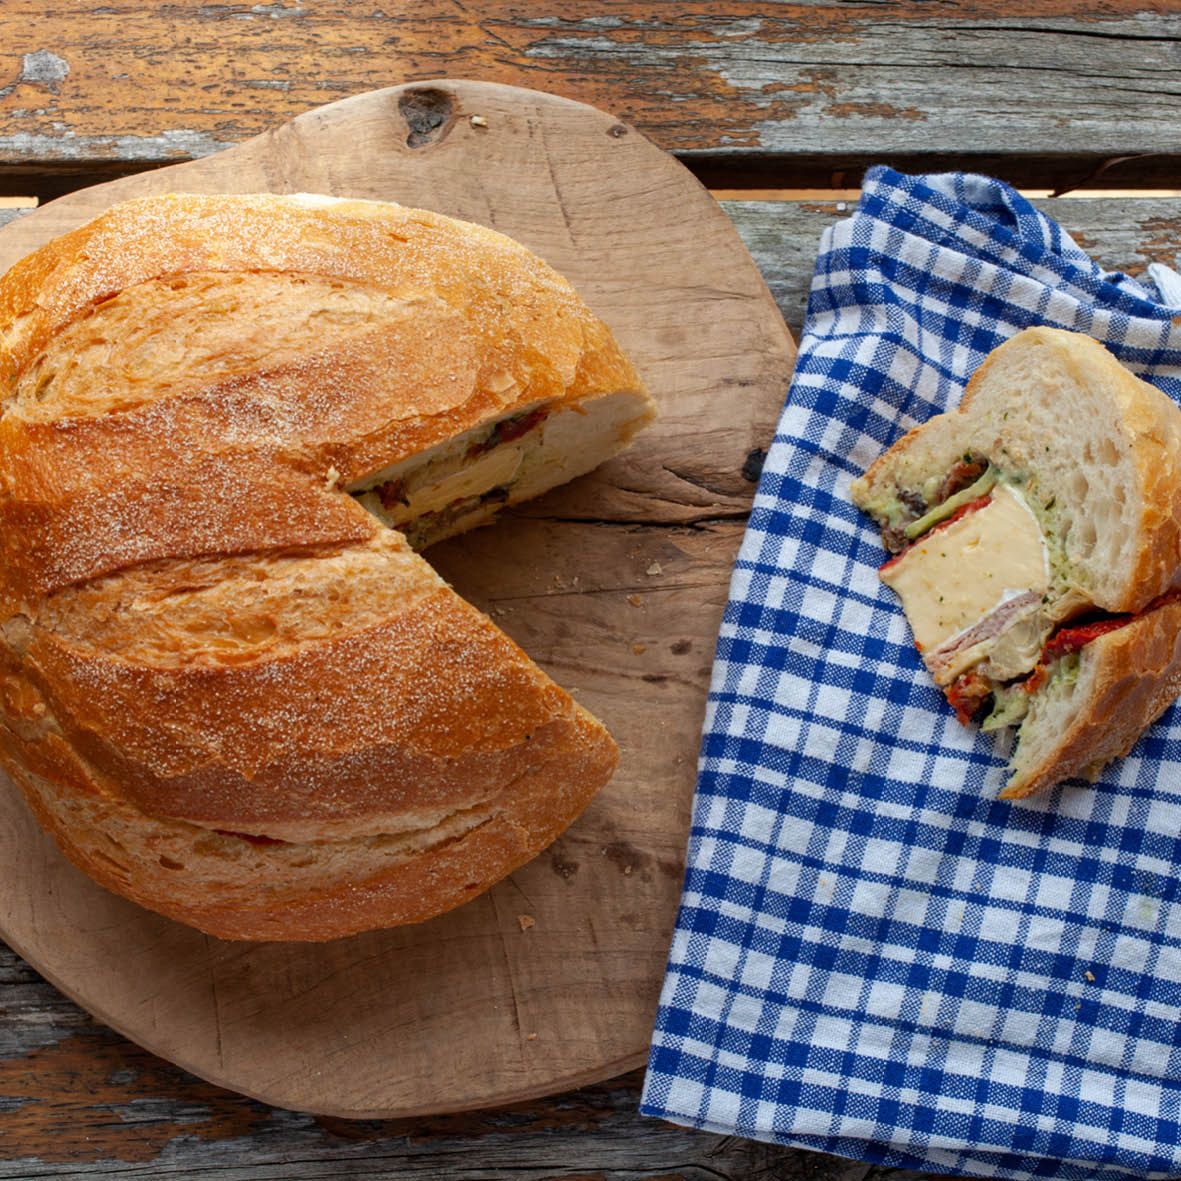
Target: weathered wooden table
[[761, 100]]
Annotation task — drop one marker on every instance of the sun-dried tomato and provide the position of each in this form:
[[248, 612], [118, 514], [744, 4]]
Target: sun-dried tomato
[[967, 693]]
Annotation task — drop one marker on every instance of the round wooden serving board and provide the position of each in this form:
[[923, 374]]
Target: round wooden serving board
[[614, 584]]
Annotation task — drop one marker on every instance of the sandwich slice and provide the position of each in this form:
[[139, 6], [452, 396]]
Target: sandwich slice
[[1035, 543]]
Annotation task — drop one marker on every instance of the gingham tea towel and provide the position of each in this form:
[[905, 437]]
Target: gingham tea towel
[[874, 956]]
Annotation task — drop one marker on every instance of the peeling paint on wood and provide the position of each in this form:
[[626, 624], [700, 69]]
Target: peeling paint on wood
[[40, 68], [130, 84], [181, 143]]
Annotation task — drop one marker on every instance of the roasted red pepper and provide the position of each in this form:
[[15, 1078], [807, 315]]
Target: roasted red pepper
[[1071, 639], [508, 430], [391, 495], [964, 473], [514, 428]]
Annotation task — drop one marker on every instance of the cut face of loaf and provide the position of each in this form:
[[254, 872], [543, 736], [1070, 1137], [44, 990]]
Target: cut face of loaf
[[464, 482], [201, 398], [1060, 473]]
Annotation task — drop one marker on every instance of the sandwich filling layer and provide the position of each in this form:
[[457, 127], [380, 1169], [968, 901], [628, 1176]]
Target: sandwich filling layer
[[971, 584], [463, 482], [972, 565]]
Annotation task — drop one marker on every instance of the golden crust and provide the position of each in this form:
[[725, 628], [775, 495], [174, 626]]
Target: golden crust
[[128, 469], [432, 710], [528, 816], [499, 285], [1127, 679]]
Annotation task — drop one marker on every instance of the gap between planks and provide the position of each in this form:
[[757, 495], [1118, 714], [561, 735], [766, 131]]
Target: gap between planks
[[816, 194]]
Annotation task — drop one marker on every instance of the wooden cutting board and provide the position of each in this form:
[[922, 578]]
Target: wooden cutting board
[[614, 584]]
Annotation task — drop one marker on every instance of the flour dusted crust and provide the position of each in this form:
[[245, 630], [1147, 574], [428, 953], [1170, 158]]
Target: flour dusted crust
[[228, 691]]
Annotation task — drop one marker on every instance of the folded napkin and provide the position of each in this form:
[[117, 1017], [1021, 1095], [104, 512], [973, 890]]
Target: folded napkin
[[874, 956]]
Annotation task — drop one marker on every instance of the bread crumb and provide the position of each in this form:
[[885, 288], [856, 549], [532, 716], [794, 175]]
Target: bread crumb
[[526, 921], [331, 476], [531, 1037], [634, 600], [479, 121], [627, 870], [1090, 976], [639, 649], [655, 569]]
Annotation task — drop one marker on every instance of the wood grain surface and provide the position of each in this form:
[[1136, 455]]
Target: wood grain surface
[[615, 584], [1048, 93], [78, 1100]]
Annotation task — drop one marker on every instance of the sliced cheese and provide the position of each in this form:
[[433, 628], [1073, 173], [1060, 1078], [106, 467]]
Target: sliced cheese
[[961, 573]]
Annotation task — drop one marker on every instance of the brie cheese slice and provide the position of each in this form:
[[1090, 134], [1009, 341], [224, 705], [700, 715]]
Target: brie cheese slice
[[959, 575]]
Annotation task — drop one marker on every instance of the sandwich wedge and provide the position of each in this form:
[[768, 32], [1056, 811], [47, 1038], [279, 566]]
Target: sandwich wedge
[[1035, 543]]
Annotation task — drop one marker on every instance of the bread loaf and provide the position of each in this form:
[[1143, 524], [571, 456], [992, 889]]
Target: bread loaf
[[232, 690]]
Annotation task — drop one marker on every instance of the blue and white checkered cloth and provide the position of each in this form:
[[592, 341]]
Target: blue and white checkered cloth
[[874, 956]]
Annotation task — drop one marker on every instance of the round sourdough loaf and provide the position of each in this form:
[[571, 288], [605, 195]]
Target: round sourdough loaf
[[230, 691]]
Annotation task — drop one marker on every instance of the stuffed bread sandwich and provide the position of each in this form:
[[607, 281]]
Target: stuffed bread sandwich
[[229, 686], [1035, 535]]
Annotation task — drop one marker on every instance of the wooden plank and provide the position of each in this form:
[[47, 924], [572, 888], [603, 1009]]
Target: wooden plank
[[783, 237], [78, 1100], [797, 90]]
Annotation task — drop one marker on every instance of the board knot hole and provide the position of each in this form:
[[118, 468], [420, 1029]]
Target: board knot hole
[[427, 113]]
